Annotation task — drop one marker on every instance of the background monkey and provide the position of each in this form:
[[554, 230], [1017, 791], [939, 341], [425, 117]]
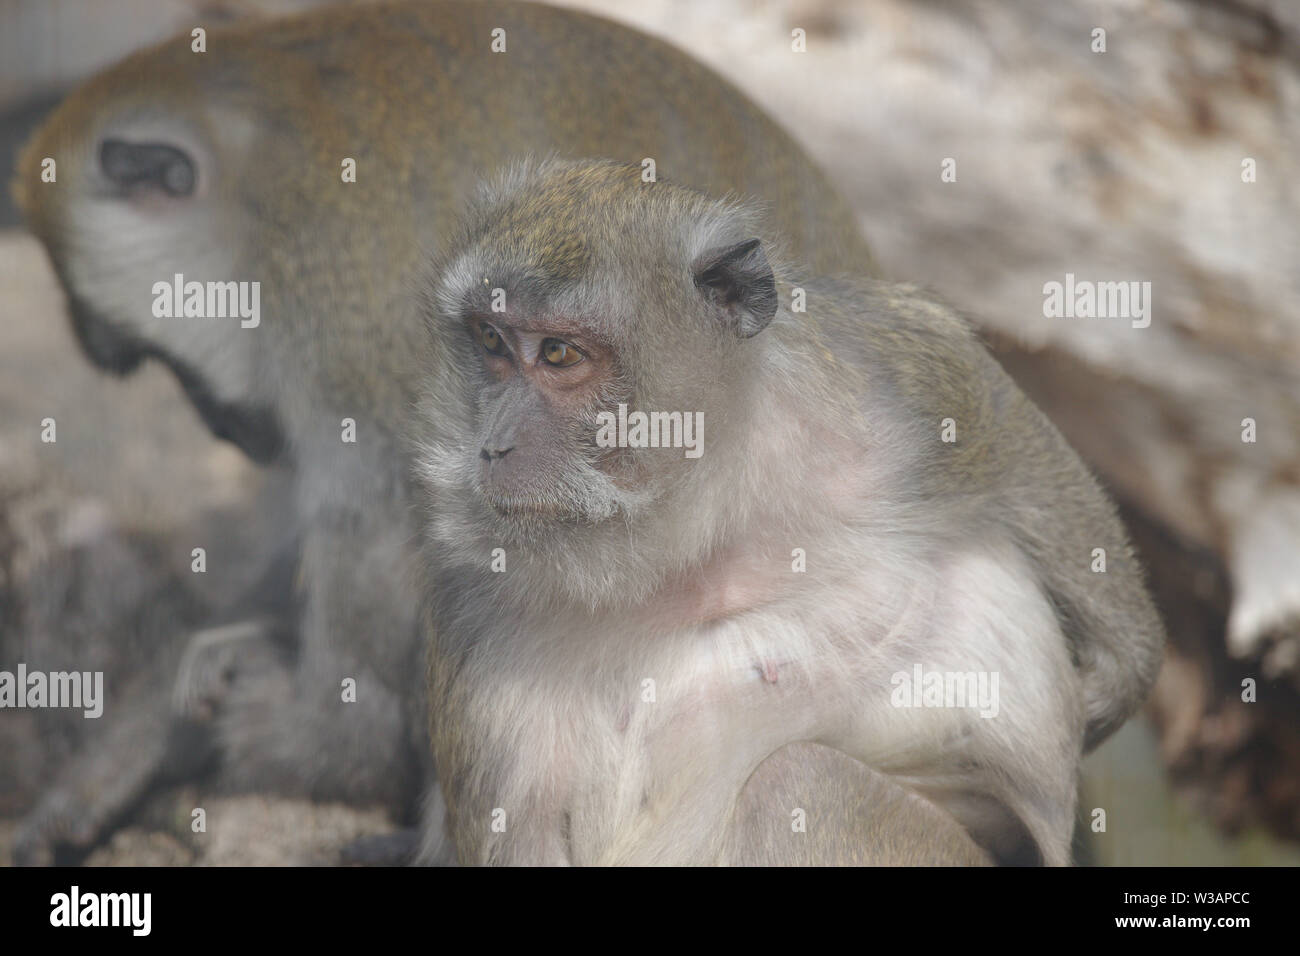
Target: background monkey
[[605, 684], [228, 165]]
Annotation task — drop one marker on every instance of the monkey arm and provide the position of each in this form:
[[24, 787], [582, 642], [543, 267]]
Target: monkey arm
[[343, 718], [810, 805], [158, 728], [141, 744]]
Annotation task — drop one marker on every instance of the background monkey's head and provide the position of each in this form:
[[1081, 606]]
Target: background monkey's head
[[226, 167], [139, 171], [576, 288]]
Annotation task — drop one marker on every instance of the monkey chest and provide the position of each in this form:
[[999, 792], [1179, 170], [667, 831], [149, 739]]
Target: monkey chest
[[636, 764]]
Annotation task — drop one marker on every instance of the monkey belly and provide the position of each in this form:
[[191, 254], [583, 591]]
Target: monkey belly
[[645, 762], [573, 776]]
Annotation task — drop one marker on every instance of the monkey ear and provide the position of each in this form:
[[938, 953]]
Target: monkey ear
[[739, 281]]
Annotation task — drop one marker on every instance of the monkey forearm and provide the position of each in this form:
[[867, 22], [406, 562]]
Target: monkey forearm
[[139, 747], [809, 805]]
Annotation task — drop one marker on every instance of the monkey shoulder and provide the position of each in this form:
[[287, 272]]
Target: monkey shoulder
[[890, 333], [893, 345], [913, 373]]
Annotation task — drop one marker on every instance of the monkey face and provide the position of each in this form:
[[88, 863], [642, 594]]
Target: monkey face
[[127, 199], [574, 336], [543, 384]]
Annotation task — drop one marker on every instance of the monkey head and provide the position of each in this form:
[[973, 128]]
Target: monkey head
[[222, 168], [124, 187], [578, 303]]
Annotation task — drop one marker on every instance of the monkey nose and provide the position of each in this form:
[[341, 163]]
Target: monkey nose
[[494, 454]]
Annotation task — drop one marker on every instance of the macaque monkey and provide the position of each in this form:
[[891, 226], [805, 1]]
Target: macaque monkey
[[299, 171], [678, 529]]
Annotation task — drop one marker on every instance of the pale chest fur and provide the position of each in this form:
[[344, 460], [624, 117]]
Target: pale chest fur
[[622, 742]]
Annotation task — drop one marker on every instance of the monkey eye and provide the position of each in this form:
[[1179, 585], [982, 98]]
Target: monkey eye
[[560, 354], [490, 339]]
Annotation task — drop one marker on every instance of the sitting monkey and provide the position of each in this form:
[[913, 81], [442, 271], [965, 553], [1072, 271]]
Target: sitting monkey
[[315, 158], [685, 540]]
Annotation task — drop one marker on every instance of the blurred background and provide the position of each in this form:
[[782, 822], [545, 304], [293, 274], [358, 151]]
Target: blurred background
[[1129, 140]]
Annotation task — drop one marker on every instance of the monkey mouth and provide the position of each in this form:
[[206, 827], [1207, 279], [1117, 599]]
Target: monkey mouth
[[106, 345], [255, 430], [511, 507], [528, 511]]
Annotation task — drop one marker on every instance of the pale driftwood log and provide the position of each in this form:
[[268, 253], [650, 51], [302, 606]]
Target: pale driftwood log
[[1122, 165]]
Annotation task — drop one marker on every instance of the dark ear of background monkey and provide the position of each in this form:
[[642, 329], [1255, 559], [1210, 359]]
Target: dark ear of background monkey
[[695, 555], [235, 165]]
